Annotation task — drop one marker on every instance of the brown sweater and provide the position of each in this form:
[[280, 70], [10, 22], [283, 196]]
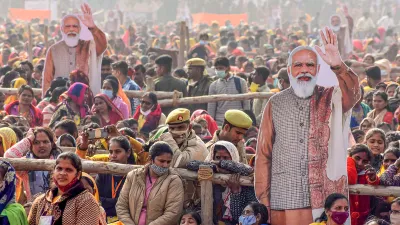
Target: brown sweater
[[82, 209]]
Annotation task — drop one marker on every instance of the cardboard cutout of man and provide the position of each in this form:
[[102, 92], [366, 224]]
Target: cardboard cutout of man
[[301, 149]]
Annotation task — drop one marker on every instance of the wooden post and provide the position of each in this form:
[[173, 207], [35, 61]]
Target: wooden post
[[30, 44], [205, 174], [150, 85], [181, 57], [187, 40], [46, 36], [214, 98]]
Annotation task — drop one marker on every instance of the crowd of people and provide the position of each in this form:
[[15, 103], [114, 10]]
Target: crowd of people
[[72, 95]]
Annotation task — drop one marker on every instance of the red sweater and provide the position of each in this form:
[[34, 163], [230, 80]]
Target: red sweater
[[359, 204]]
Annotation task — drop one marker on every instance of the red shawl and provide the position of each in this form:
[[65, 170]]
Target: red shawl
[[37, 116], [114, 114], [152, 119]]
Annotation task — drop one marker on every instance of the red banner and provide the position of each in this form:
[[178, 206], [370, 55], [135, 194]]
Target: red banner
[[208, 18], [28, 15]]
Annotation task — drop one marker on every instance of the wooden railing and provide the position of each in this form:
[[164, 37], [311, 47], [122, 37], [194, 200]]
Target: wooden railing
[[206, 185]]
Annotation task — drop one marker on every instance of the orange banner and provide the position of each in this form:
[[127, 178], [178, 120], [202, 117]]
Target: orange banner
[[208, 18], [27, 15]]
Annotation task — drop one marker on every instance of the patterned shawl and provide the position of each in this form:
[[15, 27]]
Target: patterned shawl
[[7, 190], [77, 94], [114, 114]]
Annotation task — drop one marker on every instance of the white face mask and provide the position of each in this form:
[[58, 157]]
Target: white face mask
[[145, 113], [71, 41], [395, 219], [179, 136]]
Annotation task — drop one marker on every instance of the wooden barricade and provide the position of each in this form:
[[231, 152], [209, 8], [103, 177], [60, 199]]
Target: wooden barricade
[[207, 192]]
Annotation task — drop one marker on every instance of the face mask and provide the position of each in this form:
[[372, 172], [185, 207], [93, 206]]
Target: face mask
[[394, 218], [158, 169], [340, 217], [145, 113], [247, 220], [254, 87], [109, 93], [280, 85], [276, 81], [179, 136], [220, 73], [383, 73], [203, 42]]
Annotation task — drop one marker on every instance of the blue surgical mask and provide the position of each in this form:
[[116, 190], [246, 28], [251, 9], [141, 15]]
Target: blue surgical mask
[[109, 93], [276, 82], [247, 220], [220, 73], [202, 42]]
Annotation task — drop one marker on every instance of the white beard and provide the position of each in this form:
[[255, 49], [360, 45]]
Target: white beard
[[303, 89], [71, 41], [335, 28]]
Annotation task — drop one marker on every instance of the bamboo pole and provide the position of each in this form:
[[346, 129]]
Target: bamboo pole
[[214, 98], [14, 91], [73, 149], [181, 56], [46, 36], [187, 39], [30, 44], [160, 94], [360, 189], [130, 94], [206, 197], [21, 164]]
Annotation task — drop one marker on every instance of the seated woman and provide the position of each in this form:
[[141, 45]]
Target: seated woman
[[57, 82], [24, 107], [66, 140], [8, 138], [106, 110], [254, 214], [90, 184], [336, 210], [120, 92], [367, 124], [391, 175], [69, 202], [16, 83], [389, 158], [153, 194], [360, 171], [110, 88], [74, 107], [148, 114], [37, 145], [11, 212], [230, 200], [189, 217], [49, 110], [211, 123], [376, 142], [380, 112]]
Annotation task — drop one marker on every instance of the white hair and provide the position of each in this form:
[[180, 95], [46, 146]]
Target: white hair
[[297, 49], [68, 16]]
